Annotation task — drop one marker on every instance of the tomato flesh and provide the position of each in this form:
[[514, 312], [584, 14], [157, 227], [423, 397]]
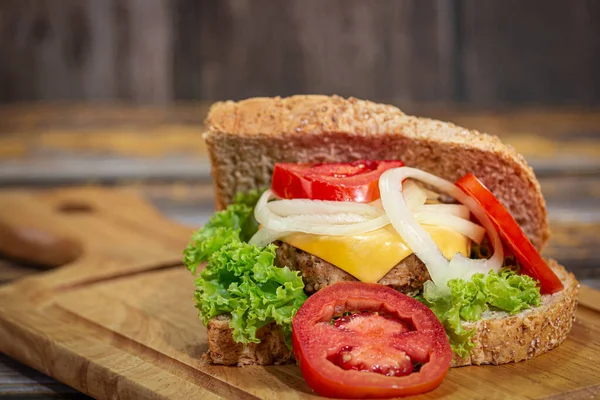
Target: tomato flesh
[[372, 356], [390, 345], [370, 323], [512, 235], [356, 181], [378, 359]]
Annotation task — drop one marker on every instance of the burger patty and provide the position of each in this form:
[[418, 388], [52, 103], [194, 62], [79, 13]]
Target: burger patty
[[407, 276]]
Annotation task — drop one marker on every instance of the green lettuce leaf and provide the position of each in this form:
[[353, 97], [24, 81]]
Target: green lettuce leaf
[[241, 279], [233, 224], [467, 301]]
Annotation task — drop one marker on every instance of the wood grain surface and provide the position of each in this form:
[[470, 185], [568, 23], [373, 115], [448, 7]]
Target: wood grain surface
[[158, 51], [114, 322], [155, 153]]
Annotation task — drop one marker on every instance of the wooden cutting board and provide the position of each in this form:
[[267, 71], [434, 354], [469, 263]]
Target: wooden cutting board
[[118, 319]]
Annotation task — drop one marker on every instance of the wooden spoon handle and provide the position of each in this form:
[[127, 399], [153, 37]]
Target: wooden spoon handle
[[37, 246]]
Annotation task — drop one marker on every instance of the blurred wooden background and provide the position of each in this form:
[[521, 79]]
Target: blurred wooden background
[[157, 51]]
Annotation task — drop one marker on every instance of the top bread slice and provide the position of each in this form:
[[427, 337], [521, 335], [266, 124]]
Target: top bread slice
[[245, 139]]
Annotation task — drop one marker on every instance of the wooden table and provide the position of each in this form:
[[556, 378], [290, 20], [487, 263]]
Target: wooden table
[[158, 153]]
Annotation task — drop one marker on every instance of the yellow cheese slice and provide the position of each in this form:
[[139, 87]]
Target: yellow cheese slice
[[370, 256]]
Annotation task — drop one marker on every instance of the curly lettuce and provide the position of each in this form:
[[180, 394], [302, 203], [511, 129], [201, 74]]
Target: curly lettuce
[[468, 300], [240, 279]]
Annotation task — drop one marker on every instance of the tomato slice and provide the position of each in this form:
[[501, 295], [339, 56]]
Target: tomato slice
[[390, 345], [357, 181], [512, 235]]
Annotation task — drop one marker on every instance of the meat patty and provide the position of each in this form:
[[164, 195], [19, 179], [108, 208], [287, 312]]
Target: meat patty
[[407, 276]]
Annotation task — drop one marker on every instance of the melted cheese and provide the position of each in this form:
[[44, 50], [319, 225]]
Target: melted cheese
[[370, 256]]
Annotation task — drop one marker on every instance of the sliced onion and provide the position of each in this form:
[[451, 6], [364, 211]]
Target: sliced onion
[[458, 210], [414, 195], [265, 236], [463, 226], [270, 220], [332, 219], [431, 195], [377, 204], [285, 208], [417, 198], [421, 243], [312, 216]]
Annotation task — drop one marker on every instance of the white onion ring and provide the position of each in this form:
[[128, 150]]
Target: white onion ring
[[285, 207], [325, 216], [414, 195], [420, 242], [463, 226], [329, 219], [458, 210], [265, 236], [270, 220]]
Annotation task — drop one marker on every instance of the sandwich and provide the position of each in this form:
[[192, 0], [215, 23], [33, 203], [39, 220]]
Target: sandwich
[[319, 198]]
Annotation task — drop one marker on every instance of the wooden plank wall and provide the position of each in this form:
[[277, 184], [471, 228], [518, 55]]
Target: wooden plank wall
[[159, 51], [530, 51]]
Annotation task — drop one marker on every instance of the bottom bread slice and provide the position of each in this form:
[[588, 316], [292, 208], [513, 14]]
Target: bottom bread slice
[[500, 338], [222, 349]]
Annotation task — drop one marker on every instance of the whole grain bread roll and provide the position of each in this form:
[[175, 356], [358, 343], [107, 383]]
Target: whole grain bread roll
[[245, 139]]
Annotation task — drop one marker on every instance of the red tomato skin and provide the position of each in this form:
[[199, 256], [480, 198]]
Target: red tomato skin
[[356, 181], [512, 235], [332, 388], [327, 379]]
